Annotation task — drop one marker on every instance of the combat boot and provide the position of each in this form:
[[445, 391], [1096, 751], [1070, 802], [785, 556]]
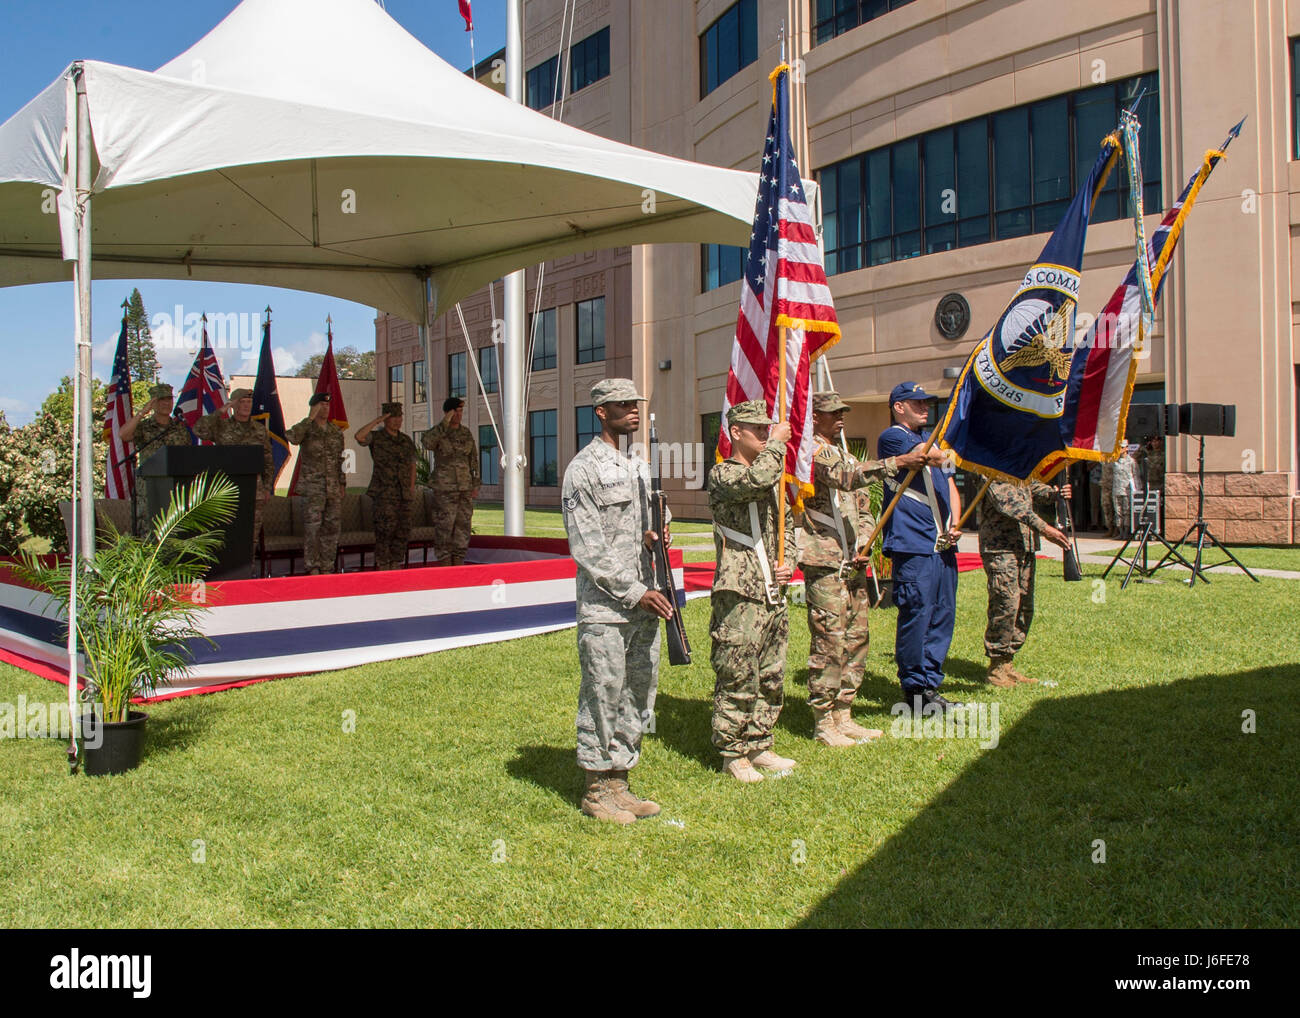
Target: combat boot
[[826, 732], [598, 801], [623, 795], [768, 760], [843, 717], [742, 770], [1000, 673], [1018, 675]]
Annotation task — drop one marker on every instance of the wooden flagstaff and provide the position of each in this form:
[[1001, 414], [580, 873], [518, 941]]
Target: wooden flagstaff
[[780, 484], [974, 502], [897, 495]]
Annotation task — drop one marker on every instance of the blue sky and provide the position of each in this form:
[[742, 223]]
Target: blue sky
[[38, 39]]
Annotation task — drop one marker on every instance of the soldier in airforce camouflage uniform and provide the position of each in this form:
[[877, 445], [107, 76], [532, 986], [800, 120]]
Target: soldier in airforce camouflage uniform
[[1009, 529], [749, 625]]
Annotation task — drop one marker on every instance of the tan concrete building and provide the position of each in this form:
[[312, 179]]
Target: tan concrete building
[[946, 136]]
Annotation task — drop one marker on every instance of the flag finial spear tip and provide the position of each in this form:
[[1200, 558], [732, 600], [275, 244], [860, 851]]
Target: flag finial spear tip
[[126, 303]]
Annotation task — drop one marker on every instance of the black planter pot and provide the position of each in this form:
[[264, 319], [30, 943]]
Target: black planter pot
[[113, 747]]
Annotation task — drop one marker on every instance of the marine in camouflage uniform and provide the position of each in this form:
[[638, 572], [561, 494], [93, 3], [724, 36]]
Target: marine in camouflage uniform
[[149, 435], [835, 581], [221, 429], [454, 481], [320, 483], [1010, 527], [392, 485], [749, 626], [606, 508]]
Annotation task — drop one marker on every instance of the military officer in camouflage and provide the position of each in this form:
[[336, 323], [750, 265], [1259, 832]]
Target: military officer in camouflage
[[1009, 527], [835, 581], [392, 484], [220, 428], [749, 626], [151, 429], [320, 483], [455, 481], [606, 508]]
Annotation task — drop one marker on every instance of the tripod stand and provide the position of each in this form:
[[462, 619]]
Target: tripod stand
[[1202, 531], [1147, 522]]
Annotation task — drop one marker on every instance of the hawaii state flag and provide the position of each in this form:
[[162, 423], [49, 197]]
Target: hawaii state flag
[[327, 382], [203, 385], [266, 402], [119, 481], [784, 287], [1003, 420]]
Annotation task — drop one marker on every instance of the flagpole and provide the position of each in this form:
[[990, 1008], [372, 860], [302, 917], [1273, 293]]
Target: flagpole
[[780, 484]]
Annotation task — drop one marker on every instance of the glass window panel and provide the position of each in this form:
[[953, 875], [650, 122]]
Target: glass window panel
[[487, 367], [1047, 215], [973, 231], [879, 220], [588, 425], [907, 245], [543, 459], [940, 177], [456, 375], [1095, 116], [907, 186], [972, 168], [1011, 159], [940, 238], [396, 384], [543, 339], [591, 330], [748, 17], [489, 456], [417, 378], [1050, 134]]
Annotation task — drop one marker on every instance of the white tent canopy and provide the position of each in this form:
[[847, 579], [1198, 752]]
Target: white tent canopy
[[316, 145]]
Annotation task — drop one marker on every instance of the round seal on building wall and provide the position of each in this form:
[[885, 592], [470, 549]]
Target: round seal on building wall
[[952, 316]]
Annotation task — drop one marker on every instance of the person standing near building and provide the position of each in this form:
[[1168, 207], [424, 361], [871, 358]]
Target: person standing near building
[[455, 482], [392, 484], [232, 424], [749, 626], [835, 581], [921, 539], [151, 429], [1010, 524], [1122, 482], [606, 509], [320, 483]]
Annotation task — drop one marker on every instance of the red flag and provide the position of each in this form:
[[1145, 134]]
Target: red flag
[[467, 14], [784, 286], [328, 382]]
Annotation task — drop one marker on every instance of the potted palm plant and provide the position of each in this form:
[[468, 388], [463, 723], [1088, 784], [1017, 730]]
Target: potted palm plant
[[137, 604]]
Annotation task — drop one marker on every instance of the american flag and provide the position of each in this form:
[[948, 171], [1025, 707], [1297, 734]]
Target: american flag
[[119, 481], [784, 285], [204, 382]]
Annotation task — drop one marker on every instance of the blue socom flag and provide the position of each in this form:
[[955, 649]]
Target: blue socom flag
[[266, 401], [1006, 406]]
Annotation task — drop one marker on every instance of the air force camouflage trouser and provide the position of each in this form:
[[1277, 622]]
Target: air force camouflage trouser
[[620, 668], [837, 635], [749, 641], [1011, 600]]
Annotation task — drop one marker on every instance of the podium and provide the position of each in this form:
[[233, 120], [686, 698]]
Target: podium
[[174, 466]]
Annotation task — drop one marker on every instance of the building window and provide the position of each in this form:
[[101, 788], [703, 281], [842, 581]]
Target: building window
[[487, 367], [396, 384], [835, 17], [456, 375], [542, 338], [543, 454], [588, 425], [589, 60], [729, 44], [1008, 174], [489, 456], [591, 330], [539, 84], [720, 264], [417, 376]]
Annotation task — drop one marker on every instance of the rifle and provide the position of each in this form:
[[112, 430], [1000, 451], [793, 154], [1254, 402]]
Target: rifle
[[679, 645], [1071, 556]]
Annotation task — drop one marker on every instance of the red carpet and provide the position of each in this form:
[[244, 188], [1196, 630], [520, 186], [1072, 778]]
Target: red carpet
[[699, 575]]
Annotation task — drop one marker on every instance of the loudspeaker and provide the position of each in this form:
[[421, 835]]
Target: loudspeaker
[[1171, 418], [1143, 421], [1208, 419]]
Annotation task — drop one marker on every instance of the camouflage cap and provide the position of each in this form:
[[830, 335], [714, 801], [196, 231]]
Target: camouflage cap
[[828, 402], [160, 391], [239, 394], [391, 409], [752, 411], [614, 390]]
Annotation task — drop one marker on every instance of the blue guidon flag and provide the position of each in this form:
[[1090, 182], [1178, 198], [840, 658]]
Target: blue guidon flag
[[266, 401], [1004, 416]]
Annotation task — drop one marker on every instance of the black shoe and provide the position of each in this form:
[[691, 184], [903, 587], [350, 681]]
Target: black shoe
[[937, 699]]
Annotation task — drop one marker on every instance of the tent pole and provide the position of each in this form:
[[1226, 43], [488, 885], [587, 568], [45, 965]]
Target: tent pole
[[86, 452], [512, 352], [426, 345]]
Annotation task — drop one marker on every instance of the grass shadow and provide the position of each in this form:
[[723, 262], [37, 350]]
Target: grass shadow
[[1150, 807], [550, 767], [685, 726]]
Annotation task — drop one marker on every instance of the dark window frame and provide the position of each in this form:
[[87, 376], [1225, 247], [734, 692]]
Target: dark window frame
[[832, 18], [487, 368], [396, 383], [586, 349], [585, 435], [589, 60], [457, 364], [740, 20], [489, 456], [539, 83], [419, 383], [538, 464], [721, 264], [546, 358]]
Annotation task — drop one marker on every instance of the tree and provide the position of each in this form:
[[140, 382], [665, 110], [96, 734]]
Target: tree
[[140, 352], [58, 404], [350, 362]]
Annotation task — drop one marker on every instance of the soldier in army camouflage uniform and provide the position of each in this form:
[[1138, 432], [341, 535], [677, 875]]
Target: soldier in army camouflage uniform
[[607, 519], [241, 429], [151, 429], [320, 483], [454, 481], [392, 484], [1009, 529], [835, 581], [749, 626]]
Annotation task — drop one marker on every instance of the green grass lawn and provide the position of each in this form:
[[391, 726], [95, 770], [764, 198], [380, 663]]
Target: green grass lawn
[[1251, 556], [454, 802]]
